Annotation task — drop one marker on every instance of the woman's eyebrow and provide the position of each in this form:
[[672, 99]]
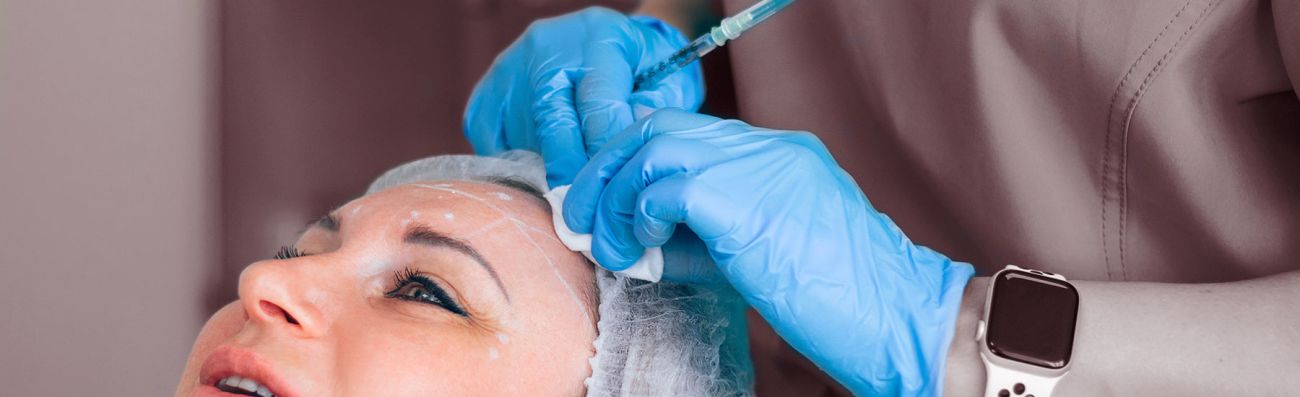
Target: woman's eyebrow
[[538, 196], [429, 237]]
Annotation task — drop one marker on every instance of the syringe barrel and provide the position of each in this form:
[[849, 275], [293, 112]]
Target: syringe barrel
[[729, 29], [762, 10], [680, 59]]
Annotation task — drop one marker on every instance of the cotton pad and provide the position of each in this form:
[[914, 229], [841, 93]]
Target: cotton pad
[[650, 267]]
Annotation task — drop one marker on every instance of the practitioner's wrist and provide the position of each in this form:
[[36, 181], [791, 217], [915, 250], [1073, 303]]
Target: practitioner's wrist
[[963, 373]]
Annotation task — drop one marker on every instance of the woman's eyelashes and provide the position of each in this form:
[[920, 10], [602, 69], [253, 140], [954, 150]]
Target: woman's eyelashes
[[411, 286], [288, 252]]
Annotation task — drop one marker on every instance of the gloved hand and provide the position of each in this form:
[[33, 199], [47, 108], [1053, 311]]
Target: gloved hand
[[792, 233], [565, 86]]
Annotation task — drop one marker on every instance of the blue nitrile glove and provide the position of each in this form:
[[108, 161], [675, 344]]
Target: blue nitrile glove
[[565, 86], [792, 233]]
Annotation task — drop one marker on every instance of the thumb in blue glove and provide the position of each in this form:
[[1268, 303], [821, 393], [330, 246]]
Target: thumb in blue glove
[[790, 231], [565, 85]]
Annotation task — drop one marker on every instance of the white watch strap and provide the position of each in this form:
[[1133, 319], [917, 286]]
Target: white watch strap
[[1002, 378]]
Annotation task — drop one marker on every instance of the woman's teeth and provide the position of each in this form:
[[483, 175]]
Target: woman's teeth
[[245, 386]]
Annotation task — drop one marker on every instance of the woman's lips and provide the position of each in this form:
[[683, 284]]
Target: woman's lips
[[228, 361]]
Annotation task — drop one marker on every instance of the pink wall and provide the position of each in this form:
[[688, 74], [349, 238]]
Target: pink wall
[[107, 192]]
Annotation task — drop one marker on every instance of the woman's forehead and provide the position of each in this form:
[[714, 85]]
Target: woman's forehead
[[445, 201], [497, 220], [503, 222]]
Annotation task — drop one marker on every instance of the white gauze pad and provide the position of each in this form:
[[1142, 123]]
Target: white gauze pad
[[650, 267]]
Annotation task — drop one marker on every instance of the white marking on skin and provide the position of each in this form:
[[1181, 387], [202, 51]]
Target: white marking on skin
[[449, 216], [493, 353], [357, 209], [502, 196], [488, 227], [545, 233], [415, 214], [439, 186], [378, 284], [510, 323], [582, 307], [406, 222], [314, 296], [503, 337], [371, 263]]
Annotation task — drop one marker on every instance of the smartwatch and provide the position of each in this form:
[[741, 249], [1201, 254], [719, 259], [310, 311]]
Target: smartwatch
[[1027, 332]]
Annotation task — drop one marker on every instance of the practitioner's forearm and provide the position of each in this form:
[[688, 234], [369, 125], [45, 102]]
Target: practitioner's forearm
[[1163, 339]]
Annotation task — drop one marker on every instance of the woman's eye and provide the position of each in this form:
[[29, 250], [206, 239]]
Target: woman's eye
[[416, 291], [410, 286]]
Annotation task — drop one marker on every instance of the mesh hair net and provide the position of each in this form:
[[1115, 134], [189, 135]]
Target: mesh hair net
[[653, 339], [514, 165]]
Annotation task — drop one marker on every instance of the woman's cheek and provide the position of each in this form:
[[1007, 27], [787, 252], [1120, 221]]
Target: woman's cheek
[[418, 359], [219, 328]]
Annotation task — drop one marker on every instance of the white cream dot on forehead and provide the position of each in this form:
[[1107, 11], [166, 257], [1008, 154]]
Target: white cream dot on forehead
[[493, 353], [502, 196], [415, 214], [501, 336], [448, 216]]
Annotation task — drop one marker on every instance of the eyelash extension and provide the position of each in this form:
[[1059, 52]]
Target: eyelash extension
[[433, 293], [288, 252]]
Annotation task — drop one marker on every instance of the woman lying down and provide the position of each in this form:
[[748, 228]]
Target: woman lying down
[[447, 278]]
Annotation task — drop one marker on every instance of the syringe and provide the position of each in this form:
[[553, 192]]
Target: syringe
[[729, 29]]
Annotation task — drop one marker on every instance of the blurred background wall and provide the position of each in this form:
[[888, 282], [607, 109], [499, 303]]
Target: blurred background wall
[[108, 192]]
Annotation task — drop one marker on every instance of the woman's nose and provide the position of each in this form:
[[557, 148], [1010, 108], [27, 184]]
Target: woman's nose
[[277, 294]]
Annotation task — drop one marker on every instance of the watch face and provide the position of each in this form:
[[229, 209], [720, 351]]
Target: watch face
[[1032, 318]]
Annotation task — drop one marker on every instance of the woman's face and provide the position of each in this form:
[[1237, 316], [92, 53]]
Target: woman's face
[[437, 288]]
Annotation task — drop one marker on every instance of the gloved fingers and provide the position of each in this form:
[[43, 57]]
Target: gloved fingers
[[651, 231], [808, 141], [580, 204], [687, 199], [558, 133], [684, 124], [671, 92], [682, 89], [500, 114], [815, 146], [687, 260], [482, 124], [611, 56], [614, 244]]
